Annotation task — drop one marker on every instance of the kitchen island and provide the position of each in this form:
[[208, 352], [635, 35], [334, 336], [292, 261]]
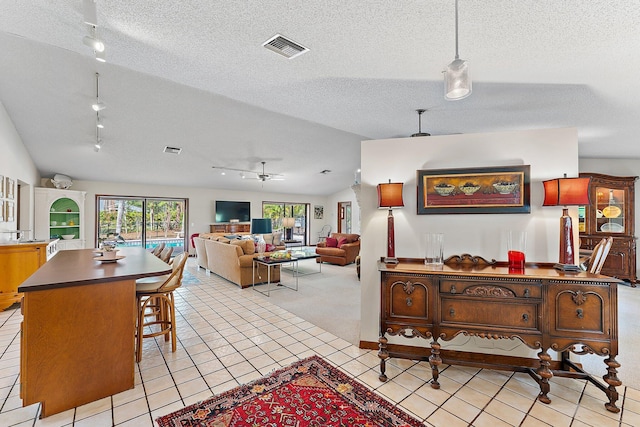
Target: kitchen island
[[78, 329]]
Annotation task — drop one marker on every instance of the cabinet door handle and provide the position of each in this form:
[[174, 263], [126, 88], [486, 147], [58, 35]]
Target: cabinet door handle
[[452, 312], [453, 289], [525, 317], [409, 302], [527, 293], [579, 313]]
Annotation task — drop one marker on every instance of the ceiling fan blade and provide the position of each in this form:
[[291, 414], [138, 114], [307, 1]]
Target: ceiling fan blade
[[233, 169]]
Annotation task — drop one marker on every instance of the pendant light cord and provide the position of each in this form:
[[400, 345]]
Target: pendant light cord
[[457, 57]]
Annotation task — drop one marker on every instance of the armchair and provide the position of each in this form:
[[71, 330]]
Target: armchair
[[343, 254]]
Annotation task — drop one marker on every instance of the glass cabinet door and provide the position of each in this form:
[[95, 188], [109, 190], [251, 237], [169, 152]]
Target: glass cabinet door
[[610, 210]]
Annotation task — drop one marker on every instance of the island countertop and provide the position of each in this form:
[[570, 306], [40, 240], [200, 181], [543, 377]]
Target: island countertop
[[78, 267]]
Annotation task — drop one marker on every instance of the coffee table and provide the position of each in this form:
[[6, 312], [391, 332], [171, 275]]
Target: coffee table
[[270, 262], [301, 253]]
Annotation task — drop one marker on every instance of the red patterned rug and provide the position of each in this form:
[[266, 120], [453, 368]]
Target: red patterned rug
[[310, 392]]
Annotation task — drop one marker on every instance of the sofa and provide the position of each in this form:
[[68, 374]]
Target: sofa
[[232, 259], [345, 251]]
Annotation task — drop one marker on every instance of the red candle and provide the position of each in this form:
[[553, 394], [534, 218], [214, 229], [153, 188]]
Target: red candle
[[516, 260]]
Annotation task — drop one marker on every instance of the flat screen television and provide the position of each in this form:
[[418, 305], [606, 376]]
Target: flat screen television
[[228, 210]]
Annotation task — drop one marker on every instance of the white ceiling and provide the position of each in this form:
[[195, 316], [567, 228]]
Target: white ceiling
[[194, 75]]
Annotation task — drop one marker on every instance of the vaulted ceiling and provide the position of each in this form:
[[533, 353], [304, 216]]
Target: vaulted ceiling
[[195, 75]]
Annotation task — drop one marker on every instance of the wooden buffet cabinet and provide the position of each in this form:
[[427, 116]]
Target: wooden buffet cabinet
[[230, 227], [544, 308], [611, 213]]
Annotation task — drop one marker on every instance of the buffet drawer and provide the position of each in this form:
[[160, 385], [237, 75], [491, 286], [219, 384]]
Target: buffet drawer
[[490, 314], [491, 289]]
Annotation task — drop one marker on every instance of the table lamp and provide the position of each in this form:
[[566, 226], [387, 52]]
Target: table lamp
[[390, 196], [288, 224], [566, 192], [260, 226]]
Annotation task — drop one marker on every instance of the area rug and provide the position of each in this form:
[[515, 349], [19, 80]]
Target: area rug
[[309, 392]]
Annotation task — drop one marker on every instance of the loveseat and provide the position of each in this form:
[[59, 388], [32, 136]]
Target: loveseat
[[232, 259], [339, 248]]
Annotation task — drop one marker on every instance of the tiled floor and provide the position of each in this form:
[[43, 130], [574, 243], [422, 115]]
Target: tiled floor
[[229, 336]]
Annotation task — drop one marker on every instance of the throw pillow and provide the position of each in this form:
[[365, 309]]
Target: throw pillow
[[341, 241], [248, 246], [236, 242], [277, 238], [270, 247], [331, 242]]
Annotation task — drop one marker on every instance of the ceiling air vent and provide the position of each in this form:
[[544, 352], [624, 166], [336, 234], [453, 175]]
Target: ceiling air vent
[[285, 47], [172, 150]]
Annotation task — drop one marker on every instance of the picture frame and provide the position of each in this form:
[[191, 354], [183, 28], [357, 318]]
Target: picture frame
[[486, 190], [9, 213], [1, 188], [1, 210], [318, 212], [9, 188]]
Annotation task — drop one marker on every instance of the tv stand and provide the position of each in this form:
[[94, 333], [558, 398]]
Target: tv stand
[[230, 227]]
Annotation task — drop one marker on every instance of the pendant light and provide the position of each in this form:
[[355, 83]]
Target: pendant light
[[457, 82]]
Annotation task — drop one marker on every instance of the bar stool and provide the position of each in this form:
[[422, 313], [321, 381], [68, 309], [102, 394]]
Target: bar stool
[[156, 306]]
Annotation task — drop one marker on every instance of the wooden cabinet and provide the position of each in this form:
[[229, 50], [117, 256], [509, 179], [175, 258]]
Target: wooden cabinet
[[611, 213], [17, 263], [544, 308], [230, 227], [60, 213]]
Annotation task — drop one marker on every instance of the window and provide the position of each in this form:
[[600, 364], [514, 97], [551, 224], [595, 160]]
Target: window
[[277, 211], [142, 221]]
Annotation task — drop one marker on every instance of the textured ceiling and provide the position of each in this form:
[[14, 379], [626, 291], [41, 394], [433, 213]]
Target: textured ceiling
[[195, 75]]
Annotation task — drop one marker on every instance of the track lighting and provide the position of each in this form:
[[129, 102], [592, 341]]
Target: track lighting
[[101, 57], [98, 106], [99, 124], [98, 145], [93, 43]]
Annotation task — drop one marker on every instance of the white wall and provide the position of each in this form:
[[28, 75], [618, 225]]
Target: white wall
[[617, 167], [331, 211], [201, 202], [16, 163], [477, 234]]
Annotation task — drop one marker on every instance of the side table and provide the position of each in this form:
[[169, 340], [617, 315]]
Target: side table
[[268, 262]]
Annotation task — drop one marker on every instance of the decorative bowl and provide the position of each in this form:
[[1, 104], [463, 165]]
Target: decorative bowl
[[68, 236], [444, 189], [469, 188], [505, 187]]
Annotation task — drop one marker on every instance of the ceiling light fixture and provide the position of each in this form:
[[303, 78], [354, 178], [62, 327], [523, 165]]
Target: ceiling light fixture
[[97, 105], [420, 133], [99, 123], [457, 81], [94, 43]]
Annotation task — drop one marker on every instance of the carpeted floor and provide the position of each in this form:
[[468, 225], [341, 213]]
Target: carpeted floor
[[330, 299]]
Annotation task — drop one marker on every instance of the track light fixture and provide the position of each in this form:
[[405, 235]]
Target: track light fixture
[[99, 124], [457, 82], [93, 43], [97, 105]]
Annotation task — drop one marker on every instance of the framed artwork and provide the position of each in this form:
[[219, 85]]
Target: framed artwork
[[1, 188], [318, 212], [1, 210], [503, 189], [9, 188], [9, 212]]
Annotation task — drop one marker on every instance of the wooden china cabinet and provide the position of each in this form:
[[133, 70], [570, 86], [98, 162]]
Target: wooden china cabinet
[[611, 213]]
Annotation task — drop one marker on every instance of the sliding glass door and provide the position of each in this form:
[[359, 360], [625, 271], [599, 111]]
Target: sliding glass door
[[142, 221], [295, 229]]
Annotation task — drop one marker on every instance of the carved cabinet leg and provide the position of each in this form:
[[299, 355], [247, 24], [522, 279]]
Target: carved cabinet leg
[[383, 354], [612, 379], [545, 375], [435, 361]]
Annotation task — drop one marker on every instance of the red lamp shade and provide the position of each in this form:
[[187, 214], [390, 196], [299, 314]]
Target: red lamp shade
[[390, 195], [566, 192]]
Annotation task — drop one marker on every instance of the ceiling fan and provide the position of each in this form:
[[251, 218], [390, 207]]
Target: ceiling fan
[[262, 176]]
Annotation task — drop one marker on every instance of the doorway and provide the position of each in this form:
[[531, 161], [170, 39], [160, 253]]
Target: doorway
[[344, 217]]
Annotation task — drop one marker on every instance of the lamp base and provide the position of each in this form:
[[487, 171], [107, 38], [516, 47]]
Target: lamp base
[[388, 260]]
